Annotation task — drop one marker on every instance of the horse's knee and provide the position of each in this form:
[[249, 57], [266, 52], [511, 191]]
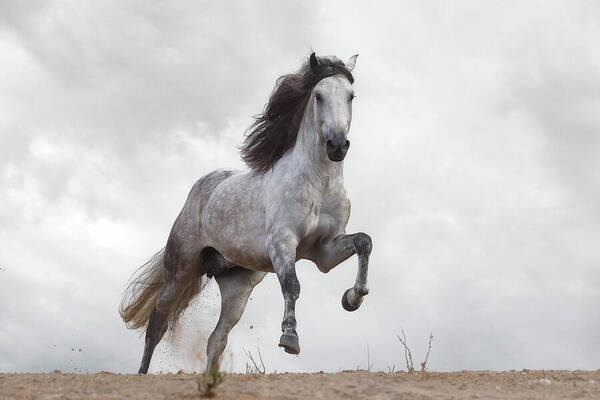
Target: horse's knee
[[362, 243], [217, 341], [157, 326], [290, 286]]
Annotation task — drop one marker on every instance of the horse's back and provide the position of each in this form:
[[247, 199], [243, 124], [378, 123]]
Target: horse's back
[[188, 224], [203, 188]]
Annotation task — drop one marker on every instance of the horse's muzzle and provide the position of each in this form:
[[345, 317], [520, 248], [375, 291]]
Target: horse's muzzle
[[336, 150]]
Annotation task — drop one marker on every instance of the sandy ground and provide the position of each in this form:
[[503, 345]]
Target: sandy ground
[[344, 385]]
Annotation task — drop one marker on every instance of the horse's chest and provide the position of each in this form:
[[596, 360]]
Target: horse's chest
[[311, 222], [325, 220]]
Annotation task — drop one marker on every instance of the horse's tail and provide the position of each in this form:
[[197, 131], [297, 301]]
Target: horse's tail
[[142, 293]]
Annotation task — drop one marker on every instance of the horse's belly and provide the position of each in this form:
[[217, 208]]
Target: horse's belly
[[241, 243]]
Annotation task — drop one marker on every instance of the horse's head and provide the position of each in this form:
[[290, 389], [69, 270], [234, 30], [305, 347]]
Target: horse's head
[[331, 100]]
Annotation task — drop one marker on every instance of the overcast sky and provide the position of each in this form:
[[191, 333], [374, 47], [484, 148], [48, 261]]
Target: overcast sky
[[475, 167]]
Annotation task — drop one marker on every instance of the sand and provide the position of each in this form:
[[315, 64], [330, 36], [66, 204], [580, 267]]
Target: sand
[[344, 385]]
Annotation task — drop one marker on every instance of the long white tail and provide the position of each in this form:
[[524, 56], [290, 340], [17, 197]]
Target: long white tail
[[143, 290]]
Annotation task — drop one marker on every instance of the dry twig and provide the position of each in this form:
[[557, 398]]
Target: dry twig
[[407, 353], [255, 368], [424, 363]]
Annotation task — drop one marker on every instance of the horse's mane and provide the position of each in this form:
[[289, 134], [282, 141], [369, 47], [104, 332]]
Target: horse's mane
[[274, 131]]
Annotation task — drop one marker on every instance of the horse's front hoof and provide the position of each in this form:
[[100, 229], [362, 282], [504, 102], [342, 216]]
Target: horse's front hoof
[[290, 343], [348, 304]]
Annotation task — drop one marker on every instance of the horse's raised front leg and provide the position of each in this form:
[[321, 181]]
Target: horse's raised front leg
[[328, 255], [282, 251], [235, 285]]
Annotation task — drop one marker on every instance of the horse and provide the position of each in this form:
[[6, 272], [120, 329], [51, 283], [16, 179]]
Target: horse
[[237, 226]]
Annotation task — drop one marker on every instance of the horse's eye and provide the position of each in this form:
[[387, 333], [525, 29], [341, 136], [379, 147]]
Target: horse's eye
[[352, 96], [318, 97]]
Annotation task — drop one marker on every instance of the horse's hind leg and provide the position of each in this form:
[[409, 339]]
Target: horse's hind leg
[[179, 273], [235, 285], [157, 326]]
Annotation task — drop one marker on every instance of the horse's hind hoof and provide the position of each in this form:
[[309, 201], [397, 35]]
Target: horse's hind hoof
[[290, 343], [346, 303]]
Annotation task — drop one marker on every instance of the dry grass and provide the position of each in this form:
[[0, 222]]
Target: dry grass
[[254, 368], [408, 355]]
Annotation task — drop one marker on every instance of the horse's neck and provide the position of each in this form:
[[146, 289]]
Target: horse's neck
[[310, 154]]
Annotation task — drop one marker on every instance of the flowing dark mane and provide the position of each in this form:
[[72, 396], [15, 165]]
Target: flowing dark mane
[[274, 131]]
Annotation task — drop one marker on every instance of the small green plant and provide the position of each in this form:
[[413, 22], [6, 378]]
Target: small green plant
[[208, 382], [408, 354]]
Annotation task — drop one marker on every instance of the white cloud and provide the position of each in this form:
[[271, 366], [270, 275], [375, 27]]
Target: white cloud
[[473, 165]]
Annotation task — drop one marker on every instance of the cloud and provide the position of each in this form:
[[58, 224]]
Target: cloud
[[472, 166], [110, 113]]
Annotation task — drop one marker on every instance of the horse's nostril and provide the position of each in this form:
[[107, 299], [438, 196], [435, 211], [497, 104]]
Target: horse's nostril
[[330, 145], [347, 145]]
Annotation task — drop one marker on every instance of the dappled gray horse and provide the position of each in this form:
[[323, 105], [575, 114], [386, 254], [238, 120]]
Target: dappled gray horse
[[238, 226]]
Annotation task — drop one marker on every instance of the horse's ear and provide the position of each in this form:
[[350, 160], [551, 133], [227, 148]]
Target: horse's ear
[[351, 62], [314, 63]]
